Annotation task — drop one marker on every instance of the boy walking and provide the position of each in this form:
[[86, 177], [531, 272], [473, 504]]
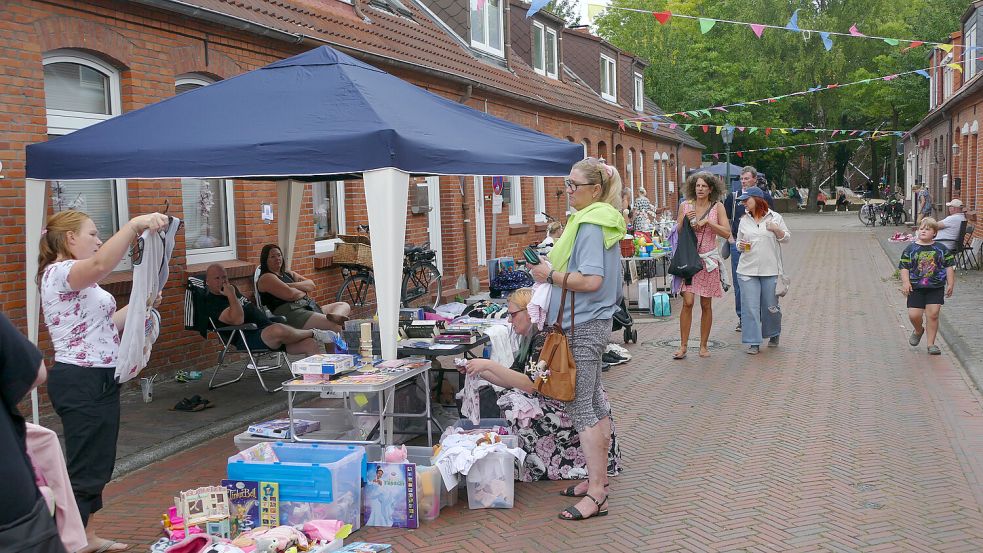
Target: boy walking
[[928, 276]]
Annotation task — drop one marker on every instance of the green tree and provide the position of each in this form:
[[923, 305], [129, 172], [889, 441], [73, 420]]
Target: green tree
[[567, 10]]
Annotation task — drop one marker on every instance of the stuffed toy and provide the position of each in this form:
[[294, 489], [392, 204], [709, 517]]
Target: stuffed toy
[[395, 454], [267, 545]]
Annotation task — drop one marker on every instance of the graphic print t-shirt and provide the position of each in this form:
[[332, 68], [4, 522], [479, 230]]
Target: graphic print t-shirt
[[926, 264]]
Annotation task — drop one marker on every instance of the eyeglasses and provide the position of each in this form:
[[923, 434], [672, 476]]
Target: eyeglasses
[[514, 313], [572, 185]]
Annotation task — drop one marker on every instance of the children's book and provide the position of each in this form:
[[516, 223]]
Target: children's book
[[252, 504], [363, 547], [390, 496]]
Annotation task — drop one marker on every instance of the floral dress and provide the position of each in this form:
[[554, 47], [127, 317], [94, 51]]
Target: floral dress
[[705, 284], [552, 445]]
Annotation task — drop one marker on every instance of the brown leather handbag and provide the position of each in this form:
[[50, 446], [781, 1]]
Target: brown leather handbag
[[560, 380]]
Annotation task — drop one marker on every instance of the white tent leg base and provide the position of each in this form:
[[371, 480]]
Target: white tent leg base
[[386, 192]]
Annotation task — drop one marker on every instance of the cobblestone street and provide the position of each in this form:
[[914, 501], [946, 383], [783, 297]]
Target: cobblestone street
[[842, 439]]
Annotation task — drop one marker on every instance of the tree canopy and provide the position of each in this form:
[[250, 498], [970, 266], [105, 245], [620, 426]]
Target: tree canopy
[[729, 64]]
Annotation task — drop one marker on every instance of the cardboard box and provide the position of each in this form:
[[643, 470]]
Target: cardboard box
[[324, 363]]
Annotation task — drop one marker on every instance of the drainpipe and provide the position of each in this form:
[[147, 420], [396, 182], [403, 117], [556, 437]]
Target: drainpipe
[[359, 12], [468, 274]]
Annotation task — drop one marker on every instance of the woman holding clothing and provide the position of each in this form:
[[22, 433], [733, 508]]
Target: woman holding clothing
[[85, 329], [758, 237], [586, 260], [708, 218], [285, 293]]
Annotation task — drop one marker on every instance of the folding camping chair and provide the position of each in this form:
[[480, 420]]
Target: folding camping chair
[[965, 257], [194, 319]]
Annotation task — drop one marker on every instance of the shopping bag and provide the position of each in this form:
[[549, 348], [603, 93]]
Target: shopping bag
[[686, 260]]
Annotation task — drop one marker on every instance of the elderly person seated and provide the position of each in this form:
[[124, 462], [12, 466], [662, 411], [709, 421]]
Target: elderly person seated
[[285, 294], [552, 445], [949, 226], [226, 306]]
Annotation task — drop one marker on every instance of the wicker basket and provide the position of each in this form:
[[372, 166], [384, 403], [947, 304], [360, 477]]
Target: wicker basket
[[353, 250]]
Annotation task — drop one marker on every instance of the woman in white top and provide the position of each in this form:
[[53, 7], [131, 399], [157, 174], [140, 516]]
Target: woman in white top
[[85, 329], [758, 237]]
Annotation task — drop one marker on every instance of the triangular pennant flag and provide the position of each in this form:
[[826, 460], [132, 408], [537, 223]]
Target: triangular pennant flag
[[854, 31], [853, 132], [768, 131], [827, 42], [873, 136], [716, 156], [740, 154], [672, 125], [832, 135], [834, 85], [686, 115], [720, 108], [923, 73], [687, 127], [752, 130], [783, 131], [892, 41], [719, 128], [638, 124], [655, 126], [705, 112], [662, 17], [945, 48], [758, 29], [706, 24], [534, 7], [706, 128], [955, 66], [740, 129], [621, 125], [890, 77], [753, 104], [773, 100], [793, 23], [864, 133], [914, 44]]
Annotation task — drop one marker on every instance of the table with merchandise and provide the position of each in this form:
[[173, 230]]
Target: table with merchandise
[[647, 268], [431, 351], [380, 378]]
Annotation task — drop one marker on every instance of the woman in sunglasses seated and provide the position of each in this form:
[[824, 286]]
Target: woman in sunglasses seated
[[545, 431], [285, 294]]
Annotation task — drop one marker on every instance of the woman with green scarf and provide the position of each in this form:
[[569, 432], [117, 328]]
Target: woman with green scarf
[[586, 260]]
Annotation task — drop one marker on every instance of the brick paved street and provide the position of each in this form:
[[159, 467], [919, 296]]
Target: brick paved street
[[843, 439]]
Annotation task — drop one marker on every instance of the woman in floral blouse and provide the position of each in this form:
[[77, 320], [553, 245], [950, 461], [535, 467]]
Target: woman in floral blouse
[[552, 445], [85, 327]]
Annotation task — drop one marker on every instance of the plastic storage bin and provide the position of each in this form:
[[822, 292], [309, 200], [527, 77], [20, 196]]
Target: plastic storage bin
[[317, 481], [509, 440], [491, 482], [432, 495], [336, 424]]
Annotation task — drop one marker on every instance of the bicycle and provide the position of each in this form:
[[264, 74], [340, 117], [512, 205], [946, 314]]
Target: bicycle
[[868, 213], [421, 286]]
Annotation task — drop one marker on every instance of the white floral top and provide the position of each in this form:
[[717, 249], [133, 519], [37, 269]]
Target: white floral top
[[80, 322]]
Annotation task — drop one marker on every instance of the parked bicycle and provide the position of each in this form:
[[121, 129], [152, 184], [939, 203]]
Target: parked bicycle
[[421, 285], [868, 212]]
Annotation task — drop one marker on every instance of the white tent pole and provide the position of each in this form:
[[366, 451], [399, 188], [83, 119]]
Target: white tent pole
[[290, 193], [35, 211], [386, 192]]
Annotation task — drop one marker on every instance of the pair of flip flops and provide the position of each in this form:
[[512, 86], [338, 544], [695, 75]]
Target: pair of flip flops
[[194, 403]]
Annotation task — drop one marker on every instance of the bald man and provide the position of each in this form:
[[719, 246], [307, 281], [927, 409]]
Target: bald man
[[226, 306]]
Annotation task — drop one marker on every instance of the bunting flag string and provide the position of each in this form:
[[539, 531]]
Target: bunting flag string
[[692, 113], [740, 153], [707, 23], [717, 129]]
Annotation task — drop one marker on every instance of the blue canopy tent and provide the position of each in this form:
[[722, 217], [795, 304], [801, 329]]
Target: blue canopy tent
[[316, 115]]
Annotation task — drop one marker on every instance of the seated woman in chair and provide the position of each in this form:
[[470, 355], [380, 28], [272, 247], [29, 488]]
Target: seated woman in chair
[[285, 293], [552, 445]]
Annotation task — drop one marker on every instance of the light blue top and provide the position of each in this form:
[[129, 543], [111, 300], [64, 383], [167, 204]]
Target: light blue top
[[590, 258]]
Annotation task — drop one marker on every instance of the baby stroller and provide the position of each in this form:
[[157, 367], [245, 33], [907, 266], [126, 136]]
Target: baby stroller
[[622, 321]]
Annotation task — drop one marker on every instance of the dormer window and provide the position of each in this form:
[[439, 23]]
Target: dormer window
[[486, 26], [639, 93], [544, 50], [609, 82]]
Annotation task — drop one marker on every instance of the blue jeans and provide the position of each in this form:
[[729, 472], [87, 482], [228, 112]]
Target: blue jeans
[[761, 317], [735, 258]]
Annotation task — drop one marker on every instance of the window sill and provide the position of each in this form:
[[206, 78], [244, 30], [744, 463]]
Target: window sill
[[518, 229], [323, 260], [118, 283], [541, 226], [234, 267]]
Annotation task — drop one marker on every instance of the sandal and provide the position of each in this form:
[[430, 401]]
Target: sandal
[[704, 353], [680, 354], [577, 515], [572, 491]]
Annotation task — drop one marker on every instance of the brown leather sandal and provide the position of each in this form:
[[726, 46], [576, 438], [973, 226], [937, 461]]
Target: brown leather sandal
[[577, 515]]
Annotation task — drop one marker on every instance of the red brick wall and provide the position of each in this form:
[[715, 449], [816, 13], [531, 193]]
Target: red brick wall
[[151, 49]]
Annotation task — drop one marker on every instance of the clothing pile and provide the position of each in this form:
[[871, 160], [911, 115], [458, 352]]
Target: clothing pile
[[460, 449], [902, 237]]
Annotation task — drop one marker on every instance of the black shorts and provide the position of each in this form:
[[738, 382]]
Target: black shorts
[[920, 297], [255, 340]]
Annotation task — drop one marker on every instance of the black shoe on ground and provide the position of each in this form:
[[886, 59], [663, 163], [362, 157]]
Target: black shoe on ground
[[738, 327], [611, 359]]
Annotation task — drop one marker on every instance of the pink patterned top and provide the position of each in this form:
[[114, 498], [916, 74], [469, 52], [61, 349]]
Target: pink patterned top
[[80, 322]]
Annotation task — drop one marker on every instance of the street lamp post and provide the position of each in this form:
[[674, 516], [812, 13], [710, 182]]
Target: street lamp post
[[727, 133]]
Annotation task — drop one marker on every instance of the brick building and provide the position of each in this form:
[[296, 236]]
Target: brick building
[[69, 64], [942, 151]]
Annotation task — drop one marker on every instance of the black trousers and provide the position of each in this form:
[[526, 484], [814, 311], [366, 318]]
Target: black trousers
[[87, 400]]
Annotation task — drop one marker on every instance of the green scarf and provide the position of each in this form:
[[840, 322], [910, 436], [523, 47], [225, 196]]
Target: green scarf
[[601, 214]]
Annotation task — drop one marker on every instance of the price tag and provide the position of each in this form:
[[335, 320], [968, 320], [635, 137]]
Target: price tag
[[497, 203]]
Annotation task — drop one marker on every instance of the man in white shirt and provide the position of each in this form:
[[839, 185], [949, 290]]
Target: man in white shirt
[[949, 227]]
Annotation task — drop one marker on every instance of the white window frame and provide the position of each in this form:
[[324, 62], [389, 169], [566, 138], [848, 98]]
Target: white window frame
[[609, 79], [547, 49], [948, 77], [539, 65], [971, 53], [486, 46], [630, 169], [326, 245], [515, 200], [539, 199], [62, 122], [641, 176], [639, 92], [192, 78], [933, 83], [220, 253]]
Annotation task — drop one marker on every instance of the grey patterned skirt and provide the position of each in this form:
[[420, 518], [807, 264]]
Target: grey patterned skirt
[[587, 343]]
